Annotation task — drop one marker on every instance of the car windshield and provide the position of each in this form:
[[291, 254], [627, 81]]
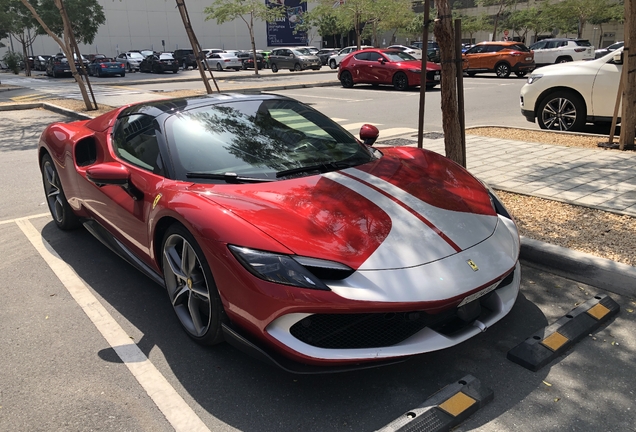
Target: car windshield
[[166, 56], [103, 60], [398, 56], [136, 55], [259, 139], [301, 52]]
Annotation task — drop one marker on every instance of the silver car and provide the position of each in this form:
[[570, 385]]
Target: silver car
[[223, 60], [131, 59], [294, 59]]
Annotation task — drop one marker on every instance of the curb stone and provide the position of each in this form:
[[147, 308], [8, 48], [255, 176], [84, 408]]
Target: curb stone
[[580, 267]]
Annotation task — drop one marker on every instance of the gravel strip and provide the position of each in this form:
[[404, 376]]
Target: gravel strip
[[543, 137]]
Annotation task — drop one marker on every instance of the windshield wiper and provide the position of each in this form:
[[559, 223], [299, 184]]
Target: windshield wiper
[[322, 168], [228, 177]]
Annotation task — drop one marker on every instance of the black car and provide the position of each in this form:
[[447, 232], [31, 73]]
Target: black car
[[159, 63], [185, 58], [39, 62], [247, 59], [613, 47], [325, 53]]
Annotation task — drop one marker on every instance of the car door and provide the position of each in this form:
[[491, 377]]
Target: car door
[[136, 146], [472, 57], [378, 73], [605, 88], [359, 66], [539, 54]]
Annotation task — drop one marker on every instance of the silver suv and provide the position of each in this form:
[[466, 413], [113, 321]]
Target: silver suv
[[550, 51], [294, 59]]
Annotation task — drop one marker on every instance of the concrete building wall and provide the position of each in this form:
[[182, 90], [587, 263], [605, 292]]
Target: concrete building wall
[[139, 24]]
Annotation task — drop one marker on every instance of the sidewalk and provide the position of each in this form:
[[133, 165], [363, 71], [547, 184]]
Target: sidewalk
[[600, 179]]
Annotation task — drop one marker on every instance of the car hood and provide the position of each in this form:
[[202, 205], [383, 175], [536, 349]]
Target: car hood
[[408, 208], [571, 68]]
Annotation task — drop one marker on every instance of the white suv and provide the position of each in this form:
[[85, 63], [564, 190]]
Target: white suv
[[335, 59], [550, 51], [566, 96]]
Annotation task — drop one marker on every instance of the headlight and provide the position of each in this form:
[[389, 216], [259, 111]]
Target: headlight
[[533, 78], [415, 70], [297, 271]]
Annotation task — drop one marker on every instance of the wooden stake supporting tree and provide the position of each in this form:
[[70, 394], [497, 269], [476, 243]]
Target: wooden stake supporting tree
[[202, 65]]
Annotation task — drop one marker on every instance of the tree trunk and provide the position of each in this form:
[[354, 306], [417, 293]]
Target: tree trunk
[[25, 54], [628, 120], [446, 39], [358, 29]]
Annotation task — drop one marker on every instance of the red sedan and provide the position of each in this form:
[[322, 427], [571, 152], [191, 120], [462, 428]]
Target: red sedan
[[385, 66]]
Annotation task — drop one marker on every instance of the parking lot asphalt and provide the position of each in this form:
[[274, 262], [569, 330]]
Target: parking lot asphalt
[[60, 369]]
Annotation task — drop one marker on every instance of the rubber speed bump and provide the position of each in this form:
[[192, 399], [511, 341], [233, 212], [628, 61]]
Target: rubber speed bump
[[445, 409], [552, 341]]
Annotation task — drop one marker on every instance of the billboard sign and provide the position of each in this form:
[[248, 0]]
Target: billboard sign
[[283, 32]]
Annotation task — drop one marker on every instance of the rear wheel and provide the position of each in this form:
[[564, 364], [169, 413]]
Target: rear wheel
[[191, 287], [123, 74], [471, 74], [400, 81], [332, 64], [274, 68], [58, 205], [502, 70], [219, 67], [521, 74], [346, 79], [563, 60], [562, 110]]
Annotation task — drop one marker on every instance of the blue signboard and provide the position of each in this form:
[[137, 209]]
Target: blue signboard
[[283, 31]]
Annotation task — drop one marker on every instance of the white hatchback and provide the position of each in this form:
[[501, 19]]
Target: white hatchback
[[566, 96]]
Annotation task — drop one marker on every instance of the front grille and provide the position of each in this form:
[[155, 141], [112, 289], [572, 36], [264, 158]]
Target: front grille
[[370, 330], [373, 330], [430, 76]]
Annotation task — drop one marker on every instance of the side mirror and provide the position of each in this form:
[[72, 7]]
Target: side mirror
[[381, 60], [618, 58], [369, 134], [113, 174]]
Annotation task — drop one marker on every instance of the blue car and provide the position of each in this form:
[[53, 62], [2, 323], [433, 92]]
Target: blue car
[[104, 66]]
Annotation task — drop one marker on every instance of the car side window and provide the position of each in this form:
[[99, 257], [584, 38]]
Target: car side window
[[362, 56], [493, 48], [374, 56], [135, 141], [538, 45]]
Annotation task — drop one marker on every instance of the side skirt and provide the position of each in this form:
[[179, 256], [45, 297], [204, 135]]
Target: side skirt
[[101, 234]]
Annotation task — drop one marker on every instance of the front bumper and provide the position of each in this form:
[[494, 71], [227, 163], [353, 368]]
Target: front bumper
[[528, 114]]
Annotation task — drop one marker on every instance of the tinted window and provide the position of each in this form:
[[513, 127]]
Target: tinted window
[[584, 43], [476, 49], [374, 56], [362, 56], [257, 139], [538, 45], [397, 56], [135, 141], [519, 47], [493, 48]]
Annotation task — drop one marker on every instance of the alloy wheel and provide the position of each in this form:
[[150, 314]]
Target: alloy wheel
[[559, 113], [187, 285], [52, 190]]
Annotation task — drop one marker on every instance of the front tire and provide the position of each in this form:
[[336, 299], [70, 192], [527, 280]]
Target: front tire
[[274, 68], [297, 67], [502, 70], [191, 288], [346, 79], [61, 211], [400, 81], [332, 64], [563, 111]]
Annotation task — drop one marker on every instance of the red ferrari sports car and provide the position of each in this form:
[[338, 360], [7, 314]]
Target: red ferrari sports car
[[273, 228], [386, 66]]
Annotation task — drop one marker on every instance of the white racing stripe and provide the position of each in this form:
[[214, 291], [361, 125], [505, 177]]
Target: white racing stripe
[[464, 229], [409, 243], [170, 403]]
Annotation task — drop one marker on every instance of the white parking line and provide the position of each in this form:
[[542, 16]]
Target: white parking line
[[4, 222], [170, 403]]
